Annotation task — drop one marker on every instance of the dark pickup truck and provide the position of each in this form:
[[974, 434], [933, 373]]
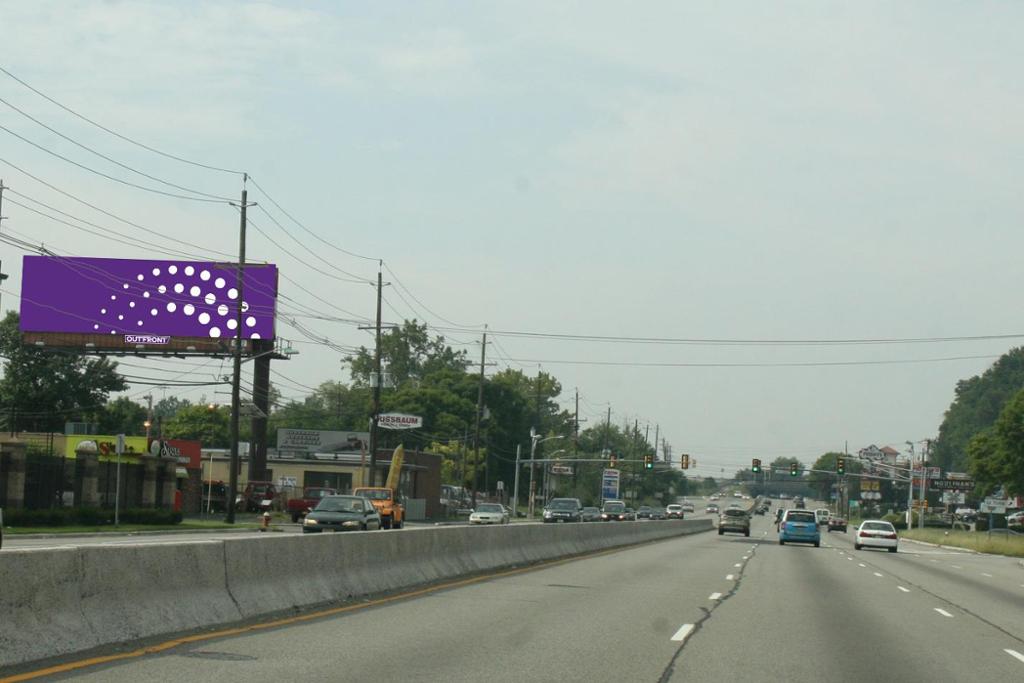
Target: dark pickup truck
[[298, 507]]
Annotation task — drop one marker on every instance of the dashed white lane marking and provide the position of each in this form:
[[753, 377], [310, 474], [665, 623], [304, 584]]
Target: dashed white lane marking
[[1014, 653], [943, 612], [738, 565], [905, 590], [850, 559], [728, 577], [934, 560], [988, 575], [683, 632], [877, 574], [861, 564], [956, 566], [714, 596]]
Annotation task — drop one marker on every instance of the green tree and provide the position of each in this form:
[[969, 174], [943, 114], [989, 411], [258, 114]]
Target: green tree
[[996, 456], [210, 426], [122, 416], [409, 354], [977, 404], [168, 407], [42, 389]]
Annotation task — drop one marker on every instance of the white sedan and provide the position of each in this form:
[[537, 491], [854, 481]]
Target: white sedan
[[489, 513], [875, 533]]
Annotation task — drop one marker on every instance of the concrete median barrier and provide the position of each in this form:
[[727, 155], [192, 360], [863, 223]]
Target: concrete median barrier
[[57, 602]]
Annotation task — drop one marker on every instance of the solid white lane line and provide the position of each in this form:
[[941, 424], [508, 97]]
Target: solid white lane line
[[714, 596], [943, 612], [728, 577], [988, 575], [905, 590], [877, 574], [683, 632], [1014, 653]]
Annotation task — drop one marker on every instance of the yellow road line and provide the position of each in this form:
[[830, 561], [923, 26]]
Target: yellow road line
[[170, 644]]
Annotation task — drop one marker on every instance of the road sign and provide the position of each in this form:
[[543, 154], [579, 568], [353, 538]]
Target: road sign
[[561, 469], [610, 484], [954, 498], [994, 505], [952, 484]]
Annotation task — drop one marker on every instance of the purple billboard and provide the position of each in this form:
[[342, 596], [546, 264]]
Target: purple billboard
[[144, 298]]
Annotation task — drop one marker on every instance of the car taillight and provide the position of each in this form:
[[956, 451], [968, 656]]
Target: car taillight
[[862, 533], [892, 536]]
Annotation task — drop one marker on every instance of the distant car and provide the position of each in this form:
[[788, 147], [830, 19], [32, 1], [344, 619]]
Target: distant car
[[341, 513], [711, 508], [714, 497], [591, 514], [613, 511], [630, 515], [876, 533], [489, 513], [658, 513], [734, 520], [799, 504], [799, 526], [822, 515], [1015, 520], [836, 524], [687, 506], [674, 511], [563, 510], [644, 512]]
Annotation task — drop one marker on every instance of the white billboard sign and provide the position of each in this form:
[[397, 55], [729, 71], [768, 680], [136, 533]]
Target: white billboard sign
[[320, 441], [399, 421]]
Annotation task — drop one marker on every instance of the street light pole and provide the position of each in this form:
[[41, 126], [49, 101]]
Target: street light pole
[[515, 486]]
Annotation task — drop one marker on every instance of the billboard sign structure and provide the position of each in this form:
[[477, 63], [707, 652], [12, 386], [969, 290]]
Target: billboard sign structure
[[399, 421], [320, 441], [146, 302]]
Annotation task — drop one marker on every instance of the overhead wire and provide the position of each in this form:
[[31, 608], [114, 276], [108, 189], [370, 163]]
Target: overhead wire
[[115, 133]]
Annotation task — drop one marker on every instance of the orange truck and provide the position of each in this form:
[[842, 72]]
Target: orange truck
[[385, 498]]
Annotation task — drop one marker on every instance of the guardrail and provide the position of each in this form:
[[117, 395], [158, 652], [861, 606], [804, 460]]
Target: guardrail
[[57, 602]]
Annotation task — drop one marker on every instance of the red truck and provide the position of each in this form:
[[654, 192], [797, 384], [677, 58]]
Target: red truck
[[311, 495]]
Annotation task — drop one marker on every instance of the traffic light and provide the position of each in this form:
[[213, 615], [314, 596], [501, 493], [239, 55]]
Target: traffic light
[[684, 461], [840, 466], [794, 470], [755, 467], [648, 462]]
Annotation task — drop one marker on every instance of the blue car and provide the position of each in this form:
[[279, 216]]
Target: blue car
[[799, 526]]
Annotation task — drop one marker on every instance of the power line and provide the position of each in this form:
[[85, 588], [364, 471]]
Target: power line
[[110, 177], [115, 133], [640, 364], [111, 160]]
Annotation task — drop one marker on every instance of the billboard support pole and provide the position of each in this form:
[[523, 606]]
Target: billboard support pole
[[376, 385], [237, 374]]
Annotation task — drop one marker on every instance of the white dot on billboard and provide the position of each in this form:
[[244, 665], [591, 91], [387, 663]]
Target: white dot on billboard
[[219, 283], [140, 277], [131, 304], [162, 289], [204, 317], [189, 270], [113, 332], [125, 285], [179, 288], [232, 293], [223, 309], [95, 327], [140, 323], [204, 276], [113, 297], [172, 269], [156, 271], [120, 317], [210, 299], [152, 311], [195, 291], [171, 307], [254, 335], [250, 321], [145, 295], [245, 307], [232, 324], [103, 311], [214, 331], [189, 309]]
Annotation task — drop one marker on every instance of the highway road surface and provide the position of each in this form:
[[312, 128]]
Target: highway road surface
[[696, 608]]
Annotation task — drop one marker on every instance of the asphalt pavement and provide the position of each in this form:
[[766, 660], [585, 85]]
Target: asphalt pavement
[[695, 608]]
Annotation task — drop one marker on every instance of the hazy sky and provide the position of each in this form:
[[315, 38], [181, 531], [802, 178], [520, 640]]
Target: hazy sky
[[699, 170]]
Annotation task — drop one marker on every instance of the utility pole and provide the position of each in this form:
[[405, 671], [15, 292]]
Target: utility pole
[[607, 427], [3, 276], [375, 383], [236, 376], [479, 410], [149, 416], [657, 435], [575, 445]]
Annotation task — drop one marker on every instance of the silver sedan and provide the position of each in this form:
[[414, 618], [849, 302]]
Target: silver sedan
[[489, 513]]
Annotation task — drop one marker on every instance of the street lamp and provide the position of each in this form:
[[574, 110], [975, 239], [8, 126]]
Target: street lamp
[[546, 488], [535, 439]]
